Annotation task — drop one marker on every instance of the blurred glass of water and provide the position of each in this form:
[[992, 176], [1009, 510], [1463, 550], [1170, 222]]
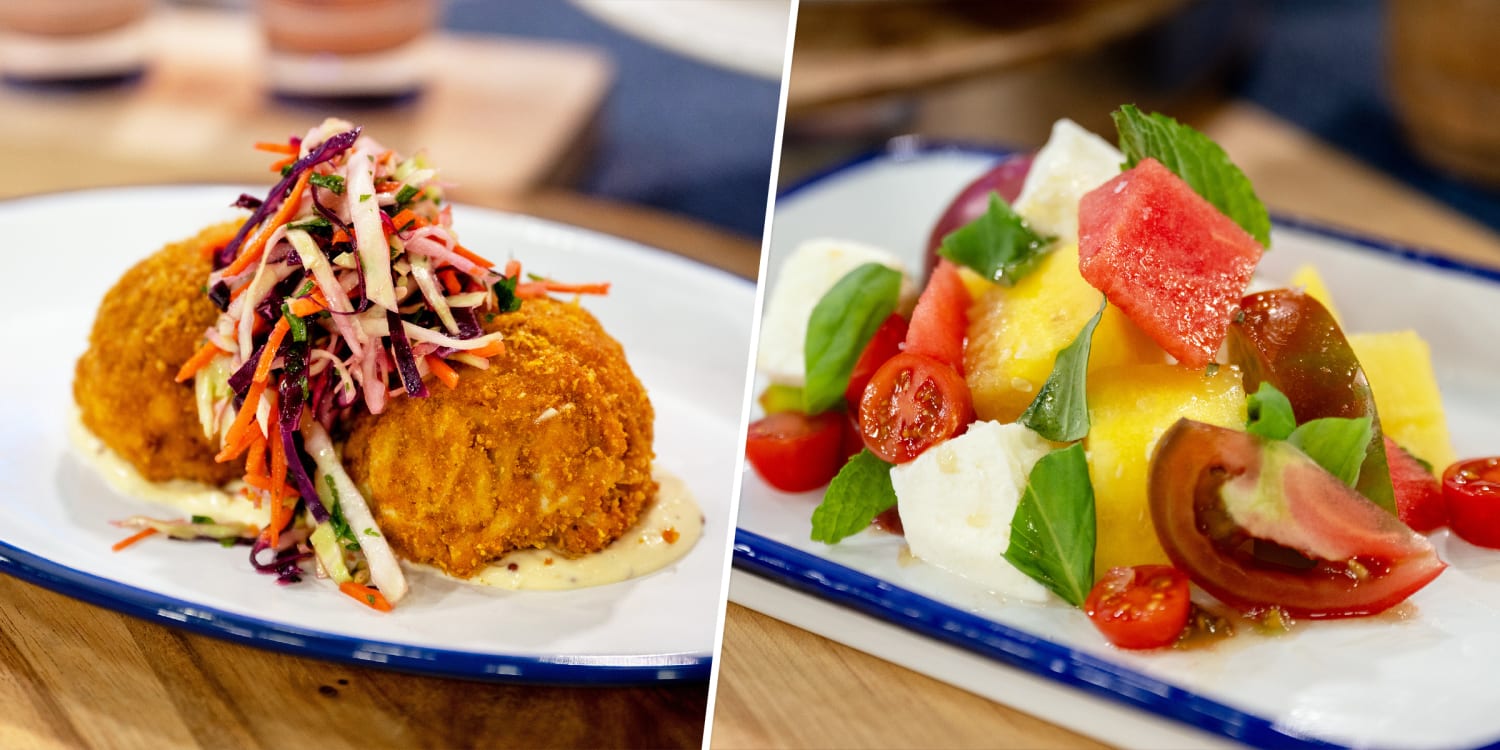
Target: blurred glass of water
[[73, 42], [349, 50]]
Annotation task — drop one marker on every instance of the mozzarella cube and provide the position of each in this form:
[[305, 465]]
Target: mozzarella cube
[[1073, 162], [957, 500], [808, 273]]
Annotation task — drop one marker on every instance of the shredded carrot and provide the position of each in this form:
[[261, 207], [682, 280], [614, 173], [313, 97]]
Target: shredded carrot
[[472, 256], [133, 538], [317, 294], [339, 235], [264, 483], [536, 289], [513, 269], [234, 295], [276, 148], [263, 368], [442, 370], [252, 252], [278, 472], [386, 155], [255, 460], [305, 306], [489, 350], [198, 361], [235, 445], [365, 595], [242, 420], [450, 281], [407, 220], [281, 164]]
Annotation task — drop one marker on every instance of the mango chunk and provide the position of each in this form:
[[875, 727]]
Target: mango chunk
[[1016, 332], [1399, 367], [1130, 407], [1307, 278]]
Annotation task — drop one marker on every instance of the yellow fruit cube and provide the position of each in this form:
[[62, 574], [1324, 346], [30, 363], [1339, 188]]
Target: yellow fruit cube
[[1016, 332], [1310, 281], [1130, 408], [1399, 367]]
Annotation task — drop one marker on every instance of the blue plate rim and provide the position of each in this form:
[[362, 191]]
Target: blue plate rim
[[873, 596]]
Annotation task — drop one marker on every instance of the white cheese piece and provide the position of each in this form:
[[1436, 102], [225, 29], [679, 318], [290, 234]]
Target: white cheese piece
[[1073, 162], [957, 501], [808, 273]]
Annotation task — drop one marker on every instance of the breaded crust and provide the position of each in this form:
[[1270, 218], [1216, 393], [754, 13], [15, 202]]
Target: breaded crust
[[149, 323], [549, 447]]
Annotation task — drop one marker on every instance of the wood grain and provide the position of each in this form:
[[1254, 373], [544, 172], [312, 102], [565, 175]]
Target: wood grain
[[73, 675]]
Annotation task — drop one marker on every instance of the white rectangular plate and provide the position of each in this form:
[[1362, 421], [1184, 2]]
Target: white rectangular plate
[[1427, 681]]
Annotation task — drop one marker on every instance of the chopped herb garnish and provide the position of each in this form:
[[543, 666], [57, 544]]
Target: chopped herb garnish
[[371, 532], [364, 197], [1060, 411], [861, 491], [1053, 532], [286, 170], [505, 294], [311, 222], [227, 542], [998, 245], [840, 326], [305, 289], [297, 326], [202, 519], [407, 194], [331, 182]]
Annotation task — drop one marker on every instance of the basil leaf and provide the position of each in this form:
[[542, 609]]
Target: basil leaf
[[1052, 534], [1270, 413], [1336, 443], [1060, 411], [1200, 163], [998, 244], [841, 325], [860, 492]]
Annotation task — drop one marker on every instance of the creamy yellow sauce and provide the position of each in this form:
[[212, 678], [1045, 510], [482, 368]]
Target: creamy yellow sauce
[[223, 504], [665, 532], [663, 535]]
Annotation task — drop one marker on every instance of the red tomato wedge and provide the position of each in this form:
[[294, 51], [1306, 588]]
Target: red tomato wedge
[[1336, 553], [794, 452], [1472, 491], [941, 318], [886, 343], [1419, 496], [1146, 606], [912, 403]]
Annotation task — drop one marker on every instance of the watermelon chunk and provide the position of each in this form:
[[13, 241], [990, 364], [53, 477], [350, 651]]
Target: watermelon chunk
[[1419, 498], [1171, 261], [941, 318]]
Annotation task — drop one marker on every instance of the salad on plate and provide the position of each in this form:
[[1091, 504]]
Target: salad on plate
[[1092, 400]]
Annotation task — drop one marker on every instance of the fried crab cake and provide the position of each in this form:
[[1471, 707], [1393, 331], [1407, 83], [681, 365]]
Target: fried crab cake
[[148, 325], [549, 447]]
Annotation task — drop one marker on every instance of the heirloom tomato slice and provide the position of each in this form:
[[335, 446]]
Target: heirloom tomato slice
[[1258, 524]]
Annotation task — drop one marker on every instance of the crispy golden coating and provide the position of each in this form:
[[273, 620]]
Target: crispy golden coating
[[549, 447], [149, 323]]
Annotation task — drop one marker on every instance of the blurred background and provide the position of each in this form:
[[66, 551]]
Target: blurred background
[[653, 119], [1353, 112]]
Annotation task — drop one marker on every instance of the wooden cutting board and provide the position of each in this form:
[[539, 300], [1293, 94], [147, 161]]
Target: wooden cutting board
[[503, 115]]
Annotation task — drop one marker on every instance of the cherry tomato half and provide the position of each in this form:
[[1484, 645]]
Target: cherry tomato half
[[1146, 606], [1472, 492], [886, 343], [794, 452], [912, 403]]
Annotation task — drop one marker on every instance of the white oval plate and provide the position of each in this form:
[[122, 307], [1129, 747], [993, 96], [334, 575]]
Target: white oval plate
[[1425, 682], [685, 328]]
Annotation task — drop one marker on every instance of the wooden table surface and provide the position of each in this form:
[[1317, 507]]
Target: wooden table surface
[[75, 675], [780, 686]]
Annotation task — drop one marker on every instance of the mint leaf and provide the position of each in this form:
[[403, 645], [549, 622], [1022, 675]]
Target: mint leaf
[[1060, 411], [1336, 443], [998, 244], [1052, 534], [1200, 163], [860, 491], [841, 325], [1270, 413]]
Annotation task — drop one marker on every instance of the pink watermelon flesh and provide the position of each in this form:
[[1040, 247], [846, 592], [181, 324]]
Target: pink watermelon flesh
[[1171, 261]]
